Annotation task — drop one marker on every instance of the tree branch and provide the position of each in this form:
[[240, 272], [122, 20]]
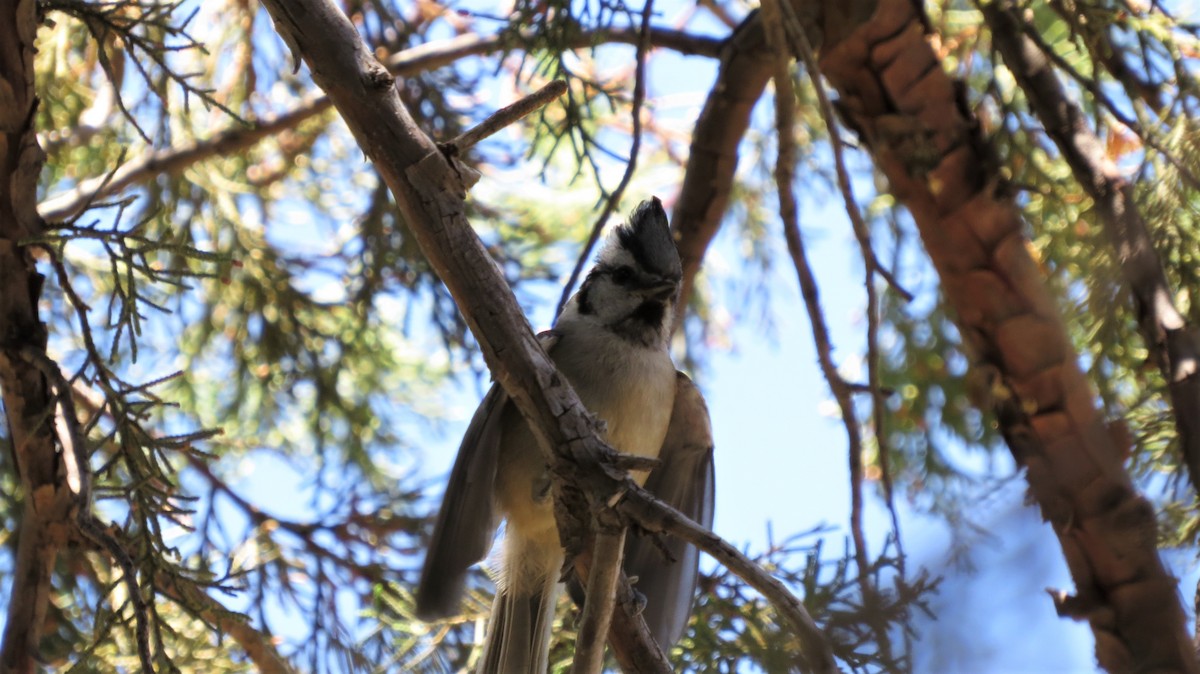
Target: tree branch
[[791, 26], [775, 18], [1172, 343], [507, 115], [600, 600], [410, 62], [909, 114], [69, 203], [258, 646], [428, 191], [657, 517], [49, 501], [632, 643], [713, 157]]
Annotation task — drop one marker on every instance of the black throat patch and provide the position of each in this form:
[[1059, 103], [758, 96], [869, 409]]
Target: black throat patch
[[644, 325], [650, 313]]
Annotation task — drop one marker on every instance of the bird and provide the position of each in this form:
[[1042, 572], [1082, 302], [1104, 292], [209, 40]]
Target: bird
[[611, 343]]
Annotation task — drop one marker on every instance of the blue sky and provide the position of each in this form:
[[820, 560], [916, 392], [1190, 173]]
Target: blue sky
[[781, 458]]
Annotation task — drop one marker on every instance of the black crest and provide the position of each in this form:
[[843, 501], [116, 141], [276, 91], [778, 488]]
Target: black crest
[[648, 239]]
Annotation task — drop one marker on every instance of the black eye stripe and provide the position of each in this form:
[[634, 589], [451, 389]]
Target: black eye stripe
[[622, 275], [585, 292]]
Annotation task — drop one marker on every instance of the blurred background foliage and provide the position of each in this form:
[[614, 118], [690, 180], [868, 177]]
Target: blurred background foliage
[[251, 299]]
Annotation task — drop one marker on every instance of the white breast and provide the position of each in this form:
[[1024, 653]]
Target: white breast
[[630, 387]]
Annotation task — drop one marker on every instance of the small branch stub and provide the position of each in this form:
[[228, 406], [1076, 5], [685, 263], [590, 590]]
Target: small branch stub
[[505, 116]]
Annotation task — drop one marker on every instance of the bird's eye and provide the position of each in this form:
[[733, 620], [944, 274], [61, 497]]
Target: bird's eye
[[622, 275]]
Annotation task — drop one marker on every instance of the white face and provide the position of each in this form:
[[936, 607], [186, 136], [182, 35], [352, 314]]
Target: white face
[[623, 295]]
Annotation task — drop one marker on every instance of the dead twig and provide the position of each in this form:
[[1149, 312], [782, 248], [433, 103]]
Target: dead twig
[[506, 116]]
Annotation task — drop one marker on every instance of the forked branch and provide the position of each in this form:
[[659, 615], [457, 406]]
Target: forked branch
[[431, 196]]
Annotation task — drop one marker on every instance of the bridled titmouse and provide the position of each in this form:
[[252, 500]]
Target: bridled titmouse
[[611, 343]]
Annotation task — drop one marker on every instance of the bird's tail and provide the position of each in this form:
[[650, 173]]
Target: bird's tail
[[518, 637]]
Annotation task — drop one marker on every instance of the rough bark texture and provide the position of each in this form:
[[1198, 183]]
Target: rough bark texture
[[1173, 343], [28, 406], [911, 116]]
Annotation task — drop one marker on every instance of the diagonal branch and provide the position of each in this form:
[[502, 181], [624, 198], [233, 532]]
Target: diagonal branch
[[910, 115], [258, 646], [657, 517], [713, 157], [1172, 343], [428, 191], [71, 202]]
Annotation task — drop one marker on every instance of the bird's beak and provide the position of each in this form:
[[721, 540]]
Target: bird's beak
[[660, 290]]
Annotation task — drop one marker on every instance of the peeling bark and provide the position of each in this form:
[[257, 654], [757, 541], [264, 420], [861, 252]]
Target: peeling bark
[[1173, 344], [28, 405], [911, 116]]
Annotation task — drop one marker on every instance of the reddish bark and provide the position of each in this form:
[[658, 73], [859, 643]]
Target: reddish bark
[[712, 161], [1174, 345], [910, 115]]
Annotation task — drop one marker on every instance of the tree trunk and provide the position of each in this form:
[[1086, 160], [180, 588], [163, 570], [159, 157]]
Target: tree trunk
[[922, 136], [28, 405]]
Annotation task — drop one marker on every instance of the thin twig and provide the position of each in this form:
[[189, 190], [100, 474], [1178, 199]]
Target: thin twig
[[94, 531], [614, 199], [507, 115], [657, 517], [862, 234], [785, 104], [183, 591], [407, 63]]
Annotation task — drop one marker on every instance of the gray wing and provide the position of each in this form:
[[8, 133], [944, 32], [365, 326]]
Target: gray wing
[[685, 481], [468, 519]]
